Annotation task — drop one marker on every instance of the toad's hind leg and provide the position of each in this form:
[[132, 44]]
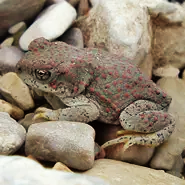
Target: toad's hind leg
[[149, 124]]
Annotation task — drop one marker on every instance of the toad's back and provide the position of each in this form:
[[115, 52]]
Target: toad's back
[[118, 83]]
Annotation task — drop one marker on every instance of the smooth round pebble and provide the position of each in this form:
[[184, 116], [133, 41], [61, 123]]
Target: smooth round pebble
[[73, 37], [12, 134], [11, 109], [50, 24], [71, 143], [9, 56], [15, 91]]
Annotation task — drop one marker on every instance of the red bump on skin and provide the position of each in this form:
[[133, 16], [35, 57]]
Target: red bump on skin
[[142, 116], [107, 86], [155, 118], [104, 76], [53, 84], [107, 110], [97, 93], [75, 89], [102, 97], [113, 106], [119, 89], [145, 121], [109, 100], [114, 83], [91, 89], [140, 78], [127, 86], [126, 95]]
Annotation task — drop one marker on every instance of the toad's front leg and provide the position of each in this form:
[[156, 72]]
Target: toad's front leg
[[80, 109], [149, 124]]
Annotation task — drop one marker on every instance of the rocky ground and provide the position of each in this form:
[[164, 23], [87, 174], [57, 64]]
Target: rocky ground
[[60, 152]]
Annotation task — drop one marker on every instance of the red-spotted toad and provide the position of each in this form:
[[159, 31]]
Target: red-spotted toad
[[96, 85]]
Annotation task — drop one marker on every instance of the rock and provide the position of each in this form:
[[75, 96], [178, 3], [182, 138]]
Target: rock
[[12, 134], [73, 2], [13, 11], [50, 2], [15, 91], [167, 153], [17, 27], [71, 143], [166, 71], [13, 110], [128, 27], [61, 167], [9, 56], [17, 30], [118, 30], [178, 167], [73, 37], [50, 24], [167, 51], [21, 170], [7, 42], [135, 154], [28, 120], [119, 173], [83, 7]]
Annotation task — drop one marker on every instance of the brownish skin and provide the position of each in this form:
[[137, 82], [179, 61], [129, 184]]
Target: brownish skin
[[113, 84]]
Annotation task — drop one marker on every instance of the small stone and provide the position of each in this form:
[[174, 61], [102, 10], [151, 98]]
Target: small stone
[[71, 143], [7, 42], [28, 120], [50, 24], [17, 170], [178, 167], [167, 153], [73, 37], [83, 7], [136, 154], [17, 30], [73, 2], [166, 71], [121, 173], [9, 56], [17, 27], [12, 134], [183, 75], [50, 2], [15, 91], [13, 110], [61, 167]]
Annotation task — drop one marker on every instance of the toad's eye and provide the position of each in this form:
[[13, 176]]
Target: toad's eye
[[42, 74]]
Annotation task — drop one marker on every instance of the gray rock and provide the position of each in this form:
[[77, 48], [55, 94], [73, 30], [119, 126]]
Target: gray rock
[[167, 153], [73, 37], [12, 134], [71, 143], [9, 56], [121, 173], [16, 170]]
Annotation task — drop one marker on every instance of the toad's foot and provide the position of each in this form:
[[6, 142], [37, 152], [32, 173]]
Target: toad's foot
[[144, 124], [149, 140], [78, 112]]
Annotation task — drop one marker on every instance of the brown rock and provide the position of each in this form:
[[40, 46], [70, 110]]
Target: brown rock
[[13, 11]]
